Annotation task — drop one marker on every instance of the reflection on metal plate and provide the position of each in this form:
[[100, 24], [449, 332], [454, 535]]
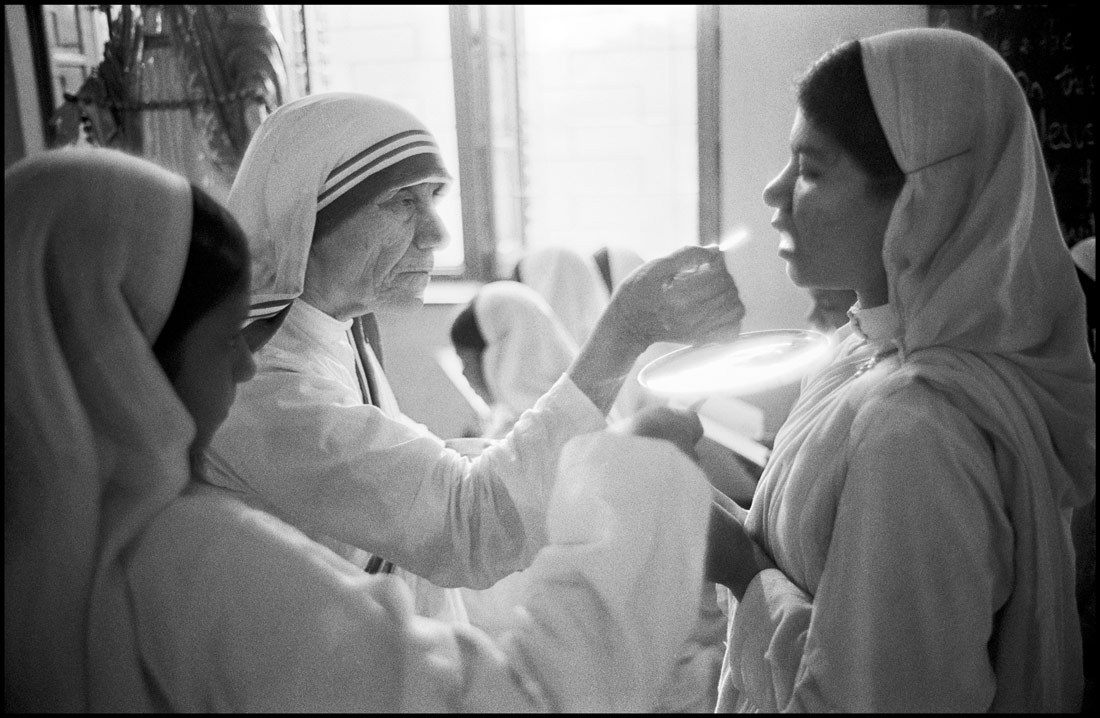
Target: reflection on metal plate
[[755, 361]]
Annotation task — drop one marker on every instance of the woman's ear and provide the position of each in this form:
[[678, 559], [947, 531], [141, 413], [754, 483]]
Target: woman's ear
[[260, 331]]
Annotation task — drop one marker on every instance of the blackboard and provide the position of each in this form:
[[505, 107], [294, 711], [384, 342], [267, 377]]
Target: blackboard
[[1050, 48]]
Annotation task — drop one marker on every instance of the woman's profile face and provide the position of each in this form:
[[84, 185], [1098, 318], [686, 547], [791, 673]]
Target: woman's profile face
[[214, 358], [380, 257], [832, 223]]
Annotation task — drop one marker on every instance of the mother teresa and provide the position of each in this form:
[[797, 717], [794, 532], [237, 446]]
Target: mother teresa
[[336, 193]]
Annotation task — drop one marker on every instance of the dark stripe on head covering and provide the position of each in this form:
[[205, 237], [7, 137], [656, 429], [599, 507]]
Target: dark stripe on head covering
[[336, 184], [400, 174], [392, 140]]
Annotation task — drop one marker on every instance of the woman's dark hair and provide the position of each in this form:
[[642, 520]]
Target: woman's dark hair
[[834, 96], [217, 265], [465, 333]]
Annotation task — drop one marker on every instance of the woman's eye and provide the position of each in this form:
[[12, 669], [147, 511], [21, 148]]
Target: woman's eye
[[807, 168], [401, 199], [808, 173]]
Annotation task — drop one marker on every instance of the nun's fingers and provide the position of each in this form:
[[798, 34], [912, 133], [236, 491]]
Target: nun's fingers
[[707, 316], [704, 283], [662, 300]]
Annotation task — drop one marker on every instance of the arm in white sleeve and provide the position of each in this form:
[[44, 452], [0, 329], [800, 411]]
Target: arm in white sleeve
[[238, 611], [336, 467], [917, 567]]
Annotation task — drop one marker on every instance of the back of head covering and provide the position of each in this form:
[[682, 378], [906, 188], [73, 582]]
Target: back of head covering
[[570, 283], [307, 155], [96, 440], [990, 313], [619, 261], [465, 333], [526, 347]]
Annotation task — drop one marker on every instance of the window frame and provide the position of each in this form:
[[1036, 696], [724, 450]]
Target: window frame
[[472, 102]]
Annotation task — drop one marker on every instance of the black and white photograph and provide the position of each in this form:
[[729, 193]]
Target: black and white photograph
[[549, 359]]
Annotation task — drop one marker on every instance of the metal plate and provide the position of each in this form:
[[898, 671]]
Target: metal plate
[[755, 361]]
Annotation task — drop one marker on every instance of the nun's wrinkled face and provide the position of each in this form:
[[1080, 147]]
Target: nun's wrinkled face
[[831, 220], [380, 257]]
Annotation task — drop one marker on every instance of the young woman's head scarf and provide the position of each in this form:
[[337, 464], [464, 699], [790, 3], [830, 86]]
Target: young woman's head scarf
[[526, 348], [976, 262], [308, 155], [95, 439]]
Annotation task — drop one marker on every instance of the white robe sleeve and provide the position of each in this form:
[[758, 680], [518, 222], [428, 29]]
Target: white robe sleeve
[[238, 611], [918, 564], [335, 467]]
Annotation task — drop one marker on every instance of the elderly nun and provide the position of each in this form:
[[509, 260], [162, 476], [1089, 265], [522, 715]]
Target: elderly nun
[[337, 193]]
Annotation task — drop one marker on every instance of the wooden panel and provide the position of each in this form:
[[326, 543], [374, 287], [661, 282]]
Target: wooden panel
[[63, 27], [74, 41]]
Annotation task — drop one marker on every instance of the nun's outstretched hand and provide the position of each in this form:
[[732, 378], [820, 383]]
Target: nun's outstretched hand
[[686, 297]]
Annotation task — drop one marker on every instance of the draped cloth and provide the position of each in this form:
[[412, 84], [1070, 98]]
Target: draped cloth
[[95, 440], [249, 615], [988, 405], [571, 285], [984, 285], [527, 348], [364, 336], [615, 263], [526, 351]]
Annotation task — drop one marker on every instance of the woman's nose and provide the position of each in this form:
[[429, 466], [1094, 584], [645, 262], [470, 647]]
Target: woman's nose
[[778, 190], [430, 232]]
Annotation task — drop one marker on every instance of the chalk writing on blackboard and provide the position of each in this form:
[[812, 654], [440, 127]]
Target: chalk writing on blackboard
[[1048, 48]]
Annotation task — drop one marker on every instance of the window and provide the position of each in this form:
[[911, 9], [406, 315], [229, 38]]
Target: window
[[567, 124], [401, 53]]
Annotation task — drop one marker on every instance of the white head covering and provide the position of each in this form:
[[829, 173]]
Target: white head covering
[[526, 347], [571, 284], [976, 262], [1084, 256], [622, 261], [305, 156], [615, 262], [95, 438]]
